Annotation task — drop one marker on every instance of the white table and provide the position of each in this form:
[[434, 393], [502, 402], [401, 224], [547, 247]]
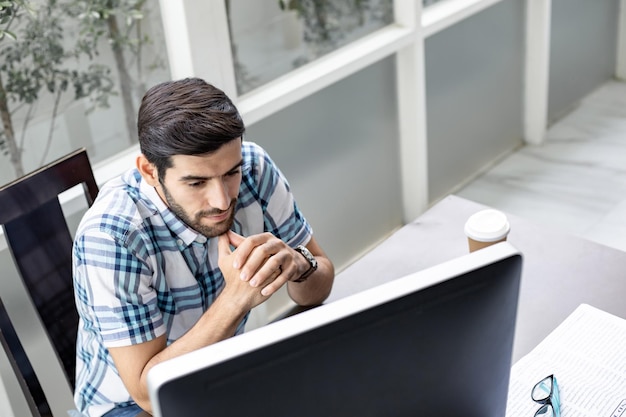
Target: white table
[[560, 271]]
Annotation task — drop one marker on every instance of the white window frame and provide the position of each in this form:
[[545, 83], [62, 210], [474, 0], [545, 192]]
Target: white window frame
[[194, 29], [537, 70], [620, 71], [201, 26]]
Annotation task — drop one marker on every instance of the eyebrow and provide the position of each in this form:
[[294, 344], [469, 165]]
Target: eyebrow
[[203, 178]]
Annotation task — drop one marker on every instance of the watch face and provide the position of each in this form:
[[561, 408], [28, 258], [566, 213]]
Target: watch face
[[310, 259], [307, 254]]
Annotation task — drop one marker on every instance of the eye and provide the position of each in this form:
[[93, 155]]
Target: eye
[[195, 184]]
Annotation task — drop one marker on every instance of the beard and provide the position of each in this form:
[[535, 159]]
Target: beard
[[195, 222]]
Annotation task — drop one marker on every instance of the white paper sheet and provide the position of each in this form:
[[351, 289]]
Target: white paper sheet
[[587, 355]]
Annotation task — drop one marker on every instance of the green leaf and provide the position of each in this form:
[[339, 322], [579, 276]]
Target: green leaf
[[8, 34]]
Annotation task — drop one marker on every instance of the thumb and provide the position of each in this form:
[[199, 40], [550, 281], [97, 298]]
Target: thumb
[[223, 245], [235, 239]]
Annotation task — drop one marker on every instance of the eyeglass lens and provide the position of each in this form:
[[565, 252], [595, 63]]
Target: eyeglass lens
[[546, 410], [542, 390], [546, 392]]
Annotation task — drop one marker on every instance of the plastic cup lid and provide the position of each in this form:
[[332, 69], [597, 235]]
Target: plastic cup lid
[[487, 226]]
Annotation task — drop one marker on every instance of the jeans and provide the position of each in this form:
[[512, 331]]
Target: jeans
[[130, 411]]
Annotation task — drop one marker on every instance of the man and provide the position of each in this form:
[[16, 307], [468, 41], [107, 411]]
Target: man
[[174, 254]]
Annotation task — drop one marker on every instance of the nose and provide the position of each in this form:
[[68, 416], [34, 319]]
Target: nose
[[218, 195]]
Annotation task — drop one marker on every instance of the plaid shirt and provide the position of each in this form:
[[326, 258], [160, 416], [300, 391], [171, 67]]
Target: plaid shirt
[[140, 272]]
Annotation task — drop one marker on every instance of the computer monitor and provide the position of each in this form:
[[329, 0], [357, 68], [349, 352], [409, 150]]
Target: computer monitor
[[434, 343]]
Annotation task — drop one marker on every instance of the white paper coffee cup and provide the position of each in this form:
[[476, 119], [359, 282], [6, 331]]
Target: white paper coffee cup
[[486, 228]]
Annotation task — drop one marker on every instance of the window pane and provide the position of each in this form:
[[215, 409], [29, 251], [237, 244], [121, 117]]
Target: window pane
[[98, 63], [269, 38]]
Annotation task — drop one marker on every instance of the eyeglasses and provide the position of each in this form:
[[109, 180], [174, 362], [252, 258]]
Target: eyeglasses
[[546, 392]]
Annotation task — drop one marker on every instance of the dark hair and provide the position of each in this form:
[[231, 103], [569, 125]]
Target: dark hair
[[185, 117]]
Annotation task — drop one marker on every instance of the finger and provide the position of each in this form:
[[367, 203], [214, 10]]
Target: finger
[[277, 273], [265, 273], [274, 286], [254, 253], [235, 239], [223, 245], [266, 242], [245, 247]]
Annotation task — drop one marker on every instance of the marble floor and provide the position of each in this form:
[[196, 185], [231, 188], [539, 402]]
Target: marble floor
[[576, 180]]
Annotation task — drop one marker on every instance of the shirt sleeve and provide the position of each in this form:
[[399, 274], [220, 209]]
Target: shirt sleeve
[[113, 291], [270, 188]]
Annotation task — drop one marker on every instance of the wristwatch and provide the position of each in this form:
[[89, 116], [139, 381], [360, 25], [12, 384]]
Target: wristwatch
[[310, 259]]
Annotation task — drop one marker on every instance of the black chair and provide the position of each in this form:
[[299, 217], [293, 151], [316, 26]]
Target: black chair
[[19, 378], [40, 242]]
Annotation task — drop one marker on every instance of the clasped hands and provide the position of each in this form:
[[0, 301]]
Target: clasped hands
[[261, 261]]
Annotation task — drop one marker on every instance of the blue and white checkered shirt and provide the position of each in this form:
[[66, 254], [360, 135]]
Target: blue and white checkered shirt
[[140, 272]]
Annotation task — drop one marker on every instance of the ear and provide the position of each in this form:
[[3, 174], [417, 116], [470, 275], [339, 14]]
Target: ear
[[147, 170]]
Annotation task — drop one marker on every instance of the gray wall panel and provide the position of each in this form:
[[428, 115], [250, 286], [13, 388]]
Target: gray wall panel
[[339, 151], [474, 79], [582, 50]]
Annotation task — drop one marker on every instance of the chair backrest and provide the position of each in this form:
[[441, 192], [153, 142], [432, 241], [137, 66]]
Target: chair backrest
[[40, 242]]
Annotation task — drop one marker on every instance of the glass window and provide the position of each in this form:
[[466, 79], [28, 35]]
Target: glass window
[[269, 38], [72, 74]]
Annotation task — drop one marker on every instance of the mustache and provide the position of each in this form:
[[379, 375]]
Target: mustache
[[216, 212]]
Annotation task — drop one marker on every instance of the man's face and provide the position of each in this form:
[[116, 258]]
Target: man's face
[[202, 190]]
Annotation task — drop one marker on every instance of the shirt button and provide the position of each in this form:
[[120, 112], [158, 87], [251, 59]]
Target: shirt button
[[179, 242], [201, 239]]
